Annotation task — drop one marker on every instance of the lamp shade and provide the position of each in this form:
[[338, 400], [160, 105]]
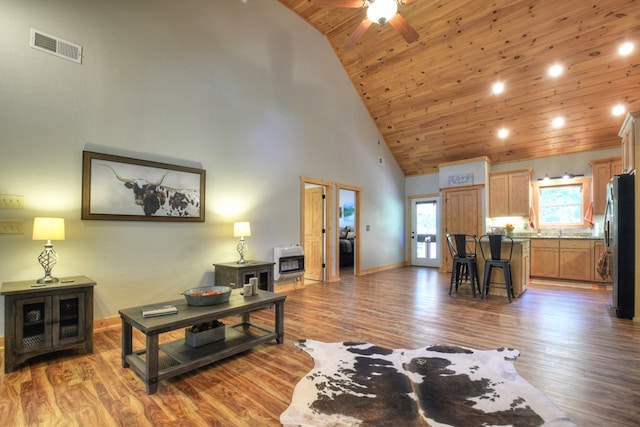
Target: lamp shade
[[48, 229], [381, 11], [241, 229]]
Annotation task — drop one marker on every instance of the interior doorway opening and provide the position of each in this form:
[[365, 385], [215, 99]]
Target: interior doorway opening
[[348, 248]]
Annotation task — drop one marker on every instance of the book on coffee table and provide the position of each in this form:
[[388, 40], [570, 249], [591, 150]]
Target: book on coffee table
[[159, 310]]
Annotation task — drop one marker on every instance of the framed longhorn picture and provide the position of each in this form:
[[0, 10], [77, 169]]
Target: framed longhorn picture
[[122, 188]]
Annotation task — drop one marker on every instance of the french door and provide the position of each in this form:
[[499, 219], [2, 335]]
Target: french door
[[425, 232]]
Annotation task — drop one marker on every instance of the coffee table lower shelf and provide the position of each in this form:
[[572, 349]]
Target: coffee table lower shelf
[[176, 357], [161, 361]]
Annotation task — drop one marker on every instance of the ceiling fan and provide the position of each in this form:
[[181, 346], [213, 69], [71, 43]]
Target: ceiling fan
[[380, 11]]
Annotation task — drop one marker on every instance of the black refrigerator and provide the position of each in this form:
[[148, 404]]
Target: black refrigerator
[[619, 228]]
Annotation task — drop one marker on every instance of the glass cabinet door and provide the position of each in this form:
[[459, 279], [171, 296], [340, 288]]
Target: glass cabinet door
[[33, 330], [69, 313]]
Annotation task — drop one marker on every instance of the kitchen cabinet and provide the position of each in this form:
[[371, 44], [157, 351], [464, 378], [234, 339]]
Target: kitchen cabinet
[[42, 319], [576, 259], [630, 134], [545, 258], [509, 193], [603, 170], [232, 272], [564, 259]]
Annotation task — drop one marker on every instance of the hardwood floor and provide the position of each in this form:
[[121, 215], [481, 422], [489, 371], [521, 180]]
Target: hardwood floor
[[572, 348]]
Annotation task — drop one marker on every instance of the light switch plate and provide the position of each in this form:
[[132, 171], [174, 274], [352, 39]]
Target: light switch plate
[[11, 227], [8, 201]]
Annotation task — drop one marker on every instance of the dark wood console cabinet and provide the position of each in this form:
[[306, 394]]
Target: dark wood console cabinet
[[232, 272], [40, 319]]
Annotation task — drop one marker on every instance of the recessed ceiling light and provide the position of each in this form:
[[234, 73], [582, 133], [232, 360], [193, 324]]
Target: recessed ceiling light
[[558, 122], [503, 133], [498, 88], [555, 70], [618, 110], [625, 48]]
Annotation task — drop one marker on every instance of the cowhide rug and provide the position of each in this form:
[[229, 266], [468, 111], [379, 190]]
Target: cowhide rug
[[360, 384]]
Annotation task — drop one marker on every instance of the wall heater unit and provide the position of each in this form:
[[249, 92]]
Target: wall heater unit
[[288, 262]]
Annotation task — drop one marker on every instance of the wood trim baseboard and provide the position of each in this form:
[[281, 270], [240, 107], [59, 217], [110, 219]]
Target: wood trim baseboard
[[106, 323], [384, 268]]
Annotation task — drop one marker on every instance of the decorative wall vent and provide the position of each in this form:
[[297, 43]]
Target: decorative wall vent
[[55, 46]]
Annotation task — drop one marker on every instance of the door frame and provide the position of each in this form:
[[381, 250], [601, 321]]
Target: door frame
[[410, 201], [328, 227], [356, 258]]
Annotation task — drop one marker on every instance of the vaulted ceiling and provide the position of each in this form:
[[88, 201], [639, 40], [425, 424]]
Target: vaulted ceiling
[[432, 99]]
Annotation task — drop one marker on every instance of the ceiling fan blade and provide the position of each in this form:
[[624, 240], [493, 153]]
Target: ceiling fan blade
[[403, 27], [357, 34], [339, 3]]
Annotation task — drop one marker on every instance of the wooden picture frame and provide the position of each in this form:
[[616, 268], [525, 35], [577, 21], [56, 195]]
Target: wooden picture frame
[[126, 189]]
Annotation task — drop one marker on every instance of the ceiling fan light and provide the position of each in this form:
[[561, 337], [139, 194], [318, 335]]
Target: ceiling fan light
[[381, 11]]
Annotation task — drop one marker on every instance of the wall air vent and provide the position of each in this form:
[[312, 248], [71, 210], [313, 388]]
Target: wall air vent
[[56, 46]]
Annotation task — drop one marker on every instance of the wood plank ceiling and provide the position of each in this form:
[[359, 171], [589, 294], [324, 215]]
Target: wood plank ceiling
[[432, 99]]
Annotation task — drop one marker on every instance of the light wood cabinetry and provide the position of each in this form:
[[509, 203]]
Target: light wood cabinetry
[[603, 170], [44, 319], [630, 134], [576, 259], [545, 258], [565, 259], [509, 193]]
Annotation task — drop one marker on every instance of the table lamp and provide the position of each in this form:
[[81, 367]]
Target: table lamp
[[242, 230], [48, 229]]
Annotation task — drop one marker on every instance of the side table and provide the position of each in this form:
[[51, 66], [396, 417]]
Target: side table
[[232, 272], [42, 319]]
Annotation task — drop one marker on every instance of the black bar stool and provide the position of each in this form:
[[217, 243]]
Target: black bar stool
[[495, 259], [463, 252]]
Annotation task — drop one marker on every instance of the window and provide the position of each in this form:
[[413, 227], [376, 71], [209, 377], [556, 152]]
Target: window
[[561, 203]]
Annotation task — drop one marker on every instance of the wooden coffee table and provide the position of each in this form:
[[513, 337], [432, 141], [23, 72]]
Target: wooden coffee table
[[160, 361]]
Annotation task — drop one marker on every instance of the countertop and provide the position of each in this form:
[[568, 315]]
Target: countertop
[[564, 236]]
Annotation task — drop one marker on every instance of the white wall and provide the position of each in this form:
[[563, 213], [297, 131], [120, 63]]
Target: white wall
[[248, 92]]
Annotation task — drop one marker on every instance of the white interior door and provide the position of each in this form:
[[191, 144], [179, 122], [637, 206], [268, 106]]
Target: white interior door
[[425, 232]]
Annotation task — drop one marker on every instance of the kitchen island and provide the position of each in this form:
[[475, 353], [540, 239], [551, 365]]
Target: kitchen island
[[520, 267]]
